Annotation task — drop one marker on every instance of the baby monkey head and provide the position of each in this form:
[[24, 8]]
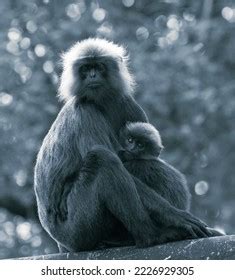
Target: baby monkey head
[[140, 141]]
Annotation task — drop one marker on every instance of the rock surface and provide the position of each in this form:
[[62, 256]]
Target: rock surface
[[215, 248]]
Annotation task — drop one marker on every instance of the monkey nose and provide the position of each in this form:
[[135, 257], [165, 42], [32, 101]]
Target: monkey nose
[[92, 74]]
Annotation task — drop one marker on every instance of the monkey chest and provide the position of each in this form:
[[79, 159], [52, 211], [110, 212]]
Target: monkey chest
[[94, 130]]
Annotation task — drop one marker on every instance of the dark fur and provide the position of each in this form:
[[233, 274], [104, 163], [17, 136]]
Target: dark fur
[[84, 193], [163, 178], [144, 163]]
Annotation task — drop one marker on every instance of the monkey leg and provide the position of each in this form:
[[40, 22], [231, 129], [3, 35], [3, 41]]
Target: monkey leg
[[104, 190], [166, 214]]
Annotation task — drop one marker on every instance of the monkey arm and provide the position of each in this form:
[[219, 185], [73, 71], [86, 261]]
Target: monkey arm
[[57, 163], [164, 213]]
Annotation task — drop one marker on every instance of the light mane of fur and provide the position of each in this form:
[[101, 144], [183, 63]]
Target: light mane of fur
[[93, 47], [145, 129]]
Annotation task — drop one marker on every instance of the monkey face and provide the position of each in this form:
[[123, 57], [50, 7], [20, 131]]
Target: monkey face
[[92, 73], [139, 141], [133, 148], [94, 70], [134, 145], [138, 148], [97, 78]]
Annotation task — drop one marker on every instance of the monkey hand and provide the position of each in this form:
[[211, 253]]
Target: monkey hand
[[190, 224], [100, 156]]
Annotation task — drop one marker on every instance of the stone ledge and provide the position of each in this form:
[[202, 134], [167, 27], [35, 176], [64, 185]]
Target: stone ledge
[[214, 248]]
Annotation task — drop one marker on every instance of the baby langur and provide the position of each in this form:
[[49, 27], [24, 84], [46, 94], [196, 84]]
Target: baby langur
[[142, 146]]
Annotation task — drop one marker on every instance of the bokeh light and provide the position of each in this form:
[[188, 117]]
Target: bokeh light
[[128, 3], [40, 50], [31, 26], [182, 55], [201, 188], [228, 13], [142, 33], [73, 11], [25, 43], [99, 14], [48, 66], [20, 178], [14, 34], [5, 99]]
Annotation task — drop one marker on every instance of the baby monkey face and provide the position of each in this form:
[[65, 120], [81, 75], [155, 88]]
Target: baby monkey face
[[133, 148], [134, 145], [140, 141]]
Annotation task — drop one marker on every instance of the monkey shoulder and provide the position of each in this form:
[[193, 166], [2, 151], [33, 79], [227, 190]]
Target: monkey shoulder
[[67, 121]]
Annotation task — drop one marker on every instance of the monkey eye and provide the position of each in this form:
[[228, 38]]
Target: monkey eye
[[84, 68], [130, 140], [140, 145], [101, 67]]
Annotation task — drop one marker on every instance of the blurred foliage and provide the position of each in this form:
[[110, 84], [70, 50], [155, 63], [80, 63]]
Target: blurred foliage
[[183, 56]]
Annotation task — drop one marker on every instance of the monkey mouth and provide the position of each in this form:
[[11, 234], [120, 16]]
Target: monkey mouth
[[94, 85], [91, 93]]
